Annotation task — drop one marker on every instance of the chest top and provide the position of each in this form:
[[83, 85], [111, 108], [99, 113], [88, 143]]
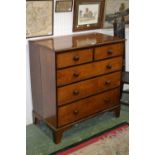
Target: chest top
[[70, 42]]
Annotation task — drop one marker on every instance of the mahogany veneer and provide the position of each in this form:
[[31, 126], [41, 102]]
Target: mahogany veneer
[[74, 78]]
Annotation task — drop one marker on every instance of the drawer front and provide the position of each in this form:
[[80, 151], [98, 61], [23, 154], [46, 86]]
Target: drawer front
[[109, 51], [74, 58], [86, 107], [86, 88], [77, 73]]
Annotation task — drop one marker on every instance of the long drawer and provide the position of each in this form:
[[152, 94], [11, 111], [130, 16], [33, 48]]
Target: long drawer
[[74, 58], [86, 88], [86, 107], [77, 73], [108, 51]]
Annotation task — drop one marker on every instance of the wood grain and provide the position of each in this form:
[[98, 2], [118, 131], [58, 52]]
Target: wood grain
[[67, 76], [77, 41], [88, 87], [88, 106], [109, 51], [74, 79], [73, 58], [42, 65]]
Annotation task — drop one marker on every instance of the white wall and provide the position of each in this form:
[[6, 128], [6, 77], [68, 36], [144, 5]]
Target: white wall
[[62, 26]]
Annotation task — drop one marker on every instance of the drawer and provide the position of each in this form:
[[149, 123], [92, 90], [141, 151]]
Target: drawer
[[86, 88], [74, 58], [77, 73], [86, 107], [109, 51]]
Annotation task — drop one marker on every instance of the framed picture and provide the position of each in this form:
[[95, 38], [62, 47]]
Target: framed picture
[[63, 6], [39, 18], [88, 15], [115, 9]]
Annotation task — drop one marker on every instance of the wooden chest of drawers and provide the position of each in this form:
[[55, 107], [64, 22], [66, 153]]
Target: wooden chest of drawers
[[74, 78]]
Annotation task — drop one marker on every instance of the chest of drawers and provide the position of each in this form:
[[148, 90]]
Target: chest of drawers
[[74, 78]]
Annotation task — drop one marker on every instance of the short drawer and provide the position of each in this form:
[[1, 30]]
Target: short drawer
[[86, 88], [74, 58], [86, 107], [108, 51], [77, 73]]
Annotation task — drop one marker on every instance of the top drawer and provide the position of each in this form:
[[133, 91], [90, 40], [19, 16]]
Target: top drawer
[[108, 51], [74, 58]]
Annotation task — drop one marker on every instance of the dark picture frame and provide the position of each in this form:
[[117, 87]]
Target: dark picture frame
[[88, 15], [64, 6], [39, 18]]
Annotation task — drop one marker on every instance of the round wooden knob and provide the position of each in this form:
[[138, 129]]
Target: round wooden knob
[[75, 112], [75, 92], [76, 58], [109, 52], [76, 74], [107, 82], [109, 66]]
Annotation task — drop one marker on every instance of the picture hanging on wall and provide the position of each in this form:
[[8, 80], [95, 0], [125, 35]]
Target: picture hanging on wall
[[39, 18], [115, 9], [63, 6], [88, 15]]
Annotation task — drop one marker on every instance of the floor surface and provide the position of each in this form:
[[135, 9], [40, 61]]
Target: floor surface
[[39, 139]]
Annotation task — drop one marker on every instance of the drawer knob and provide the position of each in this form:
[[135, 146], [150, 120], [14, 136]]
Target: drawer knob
[[75, 92], [109, 66], [75, 112], [107, 100], [108, 82], [76, 58], [109, 51], [76, 74]]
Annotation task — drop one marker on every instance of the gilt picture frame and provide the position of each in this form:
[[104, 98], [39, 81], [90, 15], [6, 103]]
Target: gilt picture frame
[[88, 15], [63, 6], [39, 18]]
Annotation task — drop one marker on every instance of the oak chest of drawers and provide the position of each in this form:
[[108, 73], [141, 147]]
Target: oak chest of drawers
[[74, 78]]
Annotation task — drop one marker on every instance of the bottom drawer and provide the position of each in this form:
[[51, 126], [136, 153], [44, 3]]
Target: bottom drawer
[[83, 108]]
